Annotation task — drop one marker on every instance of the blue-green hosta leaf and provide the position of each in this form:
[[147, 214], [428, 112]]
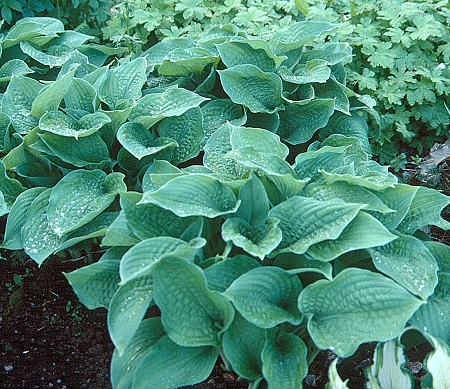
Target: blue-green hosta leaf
[[432, 317], [297, 264], [158, 173], [363, 232], [356, 307], [81, 152], [3, 208], [254, 52], [119, 234], [265, 121], [437, 363], [281, 187], [51, 96], [386, 371], [332, 52], [216, 113], [251, 87], [17, 101], [348, 193], [326, 158], [266, 296], [16, 218], [95, 284], [368, 174], [10, 187], [34, 51], [353, 126], [194, 195], [305, 221], [408, 261], [332, 89], [187, 131], [156, 54], [254, 202], [354, 152], [123, 367], [183, 297], [140, 142], [242, 345], [258, 239], [221, 274], [13, 66], [148, 220], [142, 257], [59, 123], [301, 119], [153, 107], [81, 96], [298, 34], [284, 360], [127, 308], [38, 239], [170, 366], [79, 62], [425, 209], [181, 62], [123, 83], [315, 70], [399, 199], [335, 381], [79, 197]]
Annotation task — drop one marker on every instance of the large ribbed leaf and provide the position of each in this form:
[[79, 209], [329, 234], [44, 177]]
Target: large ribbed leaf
[[408, 261], [332, 89], [266, 296], [183, 297], [127, 308], [242, 345], [356, 307], [170, 366], [140, 142], [119, 234], [123, 83], [301, 119], [315, 70], [194, 195], [79, 197], [172, 102], [284, 360], [364, 231], [297, 264], [95, 284], [142, 257], [183, 62], [425, 209], [13, 66], [81, 95], [10, 187], [305, 221], [251, 87]]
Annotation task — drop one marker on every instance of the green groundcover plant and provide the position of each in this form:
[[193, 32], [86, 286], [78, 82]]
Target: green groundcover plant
[[401, 58], [231, 183]]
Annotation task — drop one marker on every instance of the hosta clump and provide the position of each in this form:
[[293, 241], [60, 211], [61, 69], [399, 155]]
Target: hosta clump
[[230, 181]]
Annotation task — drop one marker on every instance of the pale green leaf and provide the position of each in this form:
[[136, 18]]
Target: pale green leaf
[[386, 371], [127, 308], [170, 366], [332, 89], [142, 257], [425, 209], [284, 360], [187, 131], [156, 54], [79, 197], [140, 142], [251, 87], [123, 367], [438, 364], [408, 261], [153, 107], [38, 238], [266, 296], [305, 221], [81, 95], [95, 284], [194, 195], [34, 51], [119, 234], [358, 306], [183, 297], [13, 66], [10, 187], [220, 275], [331, 52], [123, 83], [182, 62], [315, 70], [242, 345], [302, 119], [335, 381]]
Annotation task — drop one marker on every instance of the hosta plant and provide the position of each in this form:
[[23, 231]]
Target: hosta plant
[[231, 184]]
